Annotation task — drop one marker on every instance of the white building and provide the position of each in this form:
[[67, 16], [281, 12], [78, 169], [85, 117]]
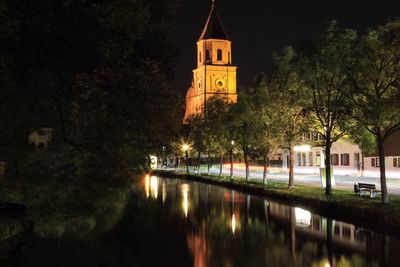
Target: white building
[[346, 158]]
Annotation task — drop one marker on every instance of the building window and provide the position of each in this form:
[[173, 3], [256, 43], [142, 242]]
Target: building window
[[395, 162], [200, 57], [335, 159], [208, 55], [303, 158], [375, 162], [310, 159], [219, 54], [318, 158], [298, 159], [345, 159], [306, 136]]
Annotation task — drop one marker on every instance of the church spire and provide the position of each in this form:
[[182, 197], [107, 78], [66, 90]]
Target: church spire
[[214, 28]]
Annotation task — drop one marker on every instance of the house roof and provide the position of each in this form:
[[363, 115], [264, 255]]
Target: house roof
[[214, 28]]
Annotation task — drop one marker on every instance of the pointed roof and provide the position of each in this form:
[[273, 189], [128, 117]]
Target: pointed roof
[[214, 28]]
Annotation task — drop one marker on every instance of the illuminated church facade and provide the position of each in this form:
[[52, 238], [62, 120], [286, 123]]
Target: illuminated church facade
[[215, 75]]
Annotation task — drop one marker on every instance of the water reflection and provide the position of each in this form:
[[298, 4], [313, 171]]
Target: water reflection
[[151, 186], [228, 228], [185, 198]]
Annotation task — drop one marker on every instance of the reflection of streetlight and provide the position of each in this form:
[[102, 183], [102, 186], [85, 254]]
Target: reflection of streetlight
[[231, 157], [185, 148]]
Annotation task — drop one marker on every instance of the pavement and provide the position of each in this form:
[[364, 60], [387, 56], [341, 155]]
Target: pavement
[[342, 181]]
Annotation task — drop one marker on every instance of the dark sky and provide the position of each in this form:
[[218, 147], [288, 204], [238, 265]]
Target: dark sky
[[258, 28]]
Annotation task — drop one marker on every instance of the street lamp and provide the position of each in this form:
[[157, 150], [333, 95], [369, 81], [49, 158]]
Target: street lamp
[[185, 148], [231, 158]]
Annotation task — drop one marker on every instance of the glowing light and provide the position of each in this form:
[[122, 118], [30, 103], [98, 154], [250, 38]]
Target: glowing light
[[185, 147], [154, 186], [164, 192], [233, 223], [147, 185], [302, 148], [153, 162], [232, 142], [303, 217], [185, 198]]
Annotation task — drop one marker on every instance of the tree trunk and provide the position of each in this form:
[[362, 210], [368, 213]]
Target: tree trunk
[[209, 163], [221, 163], [328, 189], [265, 166], [246, 162], [291, 166], [176, 162], [362, 163], [198, 162], [382, 168], [231, 161]]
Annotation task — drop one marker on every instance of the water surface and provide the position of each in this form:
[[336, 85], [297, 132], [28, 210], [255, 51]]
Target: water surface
[[169, 222]]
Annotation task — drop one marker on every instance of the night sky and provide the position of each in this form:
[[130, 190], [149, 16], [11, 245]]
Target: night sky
[[258, 28]]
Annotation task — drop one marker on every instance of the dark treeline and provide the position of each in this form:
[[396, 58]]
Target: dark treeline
[[96, 74], [341, 85], [90, 81]]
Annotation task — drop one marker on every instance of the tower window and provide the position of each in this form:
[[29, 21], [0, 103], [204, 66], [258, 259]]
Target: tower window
[[229, 57], [208, 55], [219, 54], [200, 57]]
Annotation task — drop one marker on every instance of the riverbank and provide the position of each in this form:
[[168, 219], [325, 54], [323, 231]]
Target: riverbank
[[343, 205]]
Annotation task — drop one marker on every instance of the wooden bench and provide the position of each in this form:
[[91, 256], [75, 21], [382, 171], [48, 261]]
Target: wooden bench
[[364, 189]]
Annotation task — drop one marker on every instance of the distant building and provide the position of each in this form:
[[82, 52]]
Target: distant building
[[392, 158], [40, 138], [215, 75], [346, 158]]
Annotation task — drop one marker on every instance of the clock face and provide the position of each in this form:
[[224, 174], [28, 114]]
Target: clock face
[[219, 83]]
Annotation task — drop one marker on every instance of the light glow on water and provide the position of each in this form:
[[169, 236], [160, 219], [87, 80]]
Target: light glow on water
[[185, 198], [154, 186]]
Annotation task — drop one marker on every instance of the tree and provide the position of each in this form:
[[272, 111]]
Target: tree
[[246, 126], [324, 75], [288, 103], [264, 98], [375, 88], [217, 119], [96, 73]]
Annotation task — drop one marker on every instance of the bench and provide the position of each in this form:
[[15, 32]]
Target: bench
[[364, 189]]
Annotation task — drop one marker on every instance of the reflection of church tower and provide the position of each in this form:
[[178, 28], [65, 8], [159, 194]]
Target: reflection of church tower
[[215, 75]]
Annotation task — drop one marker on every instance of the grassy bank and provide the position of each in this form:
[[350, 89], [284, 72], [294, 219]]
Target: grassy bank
[[343, 205]]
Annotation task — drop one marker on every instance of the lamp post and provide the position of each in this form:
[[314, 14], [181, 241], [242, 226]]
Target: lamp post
[[185, 148], [231, 158]]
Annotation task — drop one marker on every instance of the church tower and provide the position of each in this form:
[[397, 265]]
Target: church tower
[[215, 75]]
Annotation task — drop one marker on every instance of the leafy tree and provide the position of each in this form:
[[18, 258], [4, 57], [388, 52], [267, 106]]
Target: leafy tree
[[246, 126], [375, 88], [96, 73], [324, 75], [218, 118], [288, 103], [264, 98]]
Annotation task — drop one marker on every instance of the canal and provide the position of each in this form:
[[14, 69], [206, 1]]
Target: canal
[[170, 222]]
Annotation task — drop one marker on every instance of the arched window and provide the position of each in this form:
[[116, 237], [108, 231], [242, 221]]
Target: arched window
[[219, 55], [229, 57], [200, 57], [208, 58]]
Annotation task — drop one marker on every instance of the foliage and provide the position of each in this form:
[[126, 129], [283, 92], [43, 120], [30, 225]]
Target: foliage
[[324, 74], [375, 87], [96, 73]]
